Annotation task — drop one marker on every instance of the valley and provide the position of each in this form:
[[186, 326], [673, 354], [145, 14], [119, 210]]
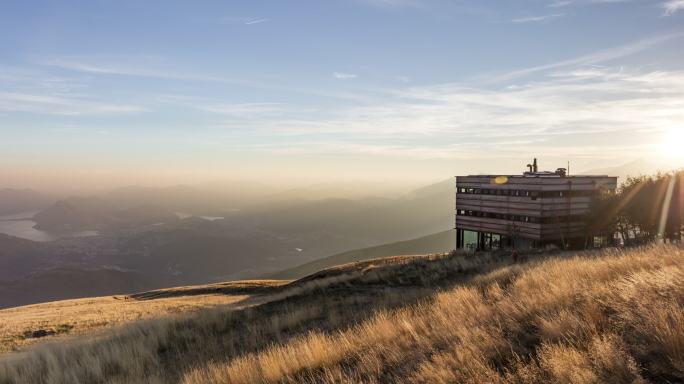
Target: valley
[[119, 242]]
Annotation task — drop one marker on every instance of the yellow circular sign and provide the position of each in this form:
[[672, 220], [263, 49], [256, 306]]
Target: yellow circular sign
[[500, 180]]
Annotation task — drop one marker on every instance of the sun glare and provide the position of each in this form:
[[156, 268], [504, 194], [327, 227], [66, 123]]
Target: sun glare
[[672, 145]]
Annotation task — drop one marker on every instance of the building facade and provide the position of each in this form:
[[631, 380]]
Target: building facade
[[526, 211]]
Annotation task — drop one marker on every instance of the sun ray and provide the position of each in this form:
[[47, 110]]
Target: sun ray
[[672, 145], [666, 208]]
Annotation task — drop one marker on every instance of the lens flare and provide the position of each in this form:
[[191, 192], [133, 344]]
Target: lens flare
[[672, 145]]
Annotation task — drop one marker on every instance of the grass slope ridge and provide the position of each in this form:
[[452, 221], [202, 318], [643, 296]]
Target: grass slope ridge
[[611, 316], [437, 243], [619, 318], [83, 318]]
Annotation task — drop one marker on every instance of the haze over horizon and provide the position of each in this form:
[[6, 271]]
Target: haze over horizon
[[97, 95]]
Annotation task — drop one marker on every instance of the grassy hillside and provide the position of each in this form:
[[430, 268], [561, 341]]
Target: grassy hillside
[[437, 243], [598, 317], [31, 324]]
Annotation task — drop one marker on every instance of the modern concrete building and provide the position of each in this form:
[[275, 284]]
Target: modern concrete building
[[526, 211]]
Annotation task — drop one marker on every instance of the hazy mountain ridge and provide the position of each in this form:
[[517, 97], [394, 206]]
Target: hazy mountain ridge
[[72, 283], [258, 240], [172, 263], [19, 257], [94, 213], [438, 243], [371, 221], [641, 167], [22, 200]]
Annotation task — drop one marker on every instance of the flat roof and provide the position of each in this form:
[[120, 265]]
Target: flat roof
[[536, 176]]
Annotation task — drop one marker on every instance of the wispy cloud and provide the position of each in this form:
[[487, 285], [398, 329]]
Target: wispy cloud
[[565, 3], [244, 110], [592, 58], [243, 20], [344, 76], [61, 105], [672, 6], [157, 67], [559, 4], [37, 81], [123, 65], [34, 90], [594, 112], [394, 3], [256, 21], [537, 19]]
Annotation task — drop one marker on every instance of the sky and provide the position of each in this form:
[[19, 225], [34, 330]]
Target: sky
[[102, 93]]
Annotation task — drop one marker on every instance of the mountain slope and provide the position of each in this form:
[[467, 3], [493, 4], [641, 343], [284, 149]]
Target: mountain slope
[[33, 324], [22, 200], [20, 256], [437, 243], [72, 283], [594, 317], [634, 168], [364, 222], [94, 213], [32, 272]]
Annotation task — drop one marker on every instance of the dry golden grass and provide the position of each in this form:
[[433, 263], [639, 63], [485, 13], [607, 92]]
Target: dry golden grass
[[249, 287], [618, 318], [84, 316], [604, 317]]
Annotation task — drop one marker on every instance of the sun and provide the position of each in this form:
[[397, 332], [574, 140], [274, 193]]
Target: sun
[[672, 145]]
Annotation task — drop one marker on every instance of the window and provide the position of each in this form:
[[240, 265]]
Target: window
[[534, 195], [509, 217]]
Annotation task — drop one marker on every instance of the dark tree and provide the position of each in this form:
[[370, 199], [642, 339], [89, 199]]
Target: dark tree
[[644, 209]]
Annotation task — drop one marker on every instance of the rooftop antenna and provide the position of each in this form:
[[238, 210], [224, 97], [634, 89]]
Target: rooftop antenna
[[534, 164]]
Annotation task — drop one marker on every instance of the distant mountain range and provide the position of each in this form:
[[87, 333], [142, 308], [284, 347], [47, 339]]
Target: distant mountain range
[[67, 283], [92, 213], [19, 257], [45, 279], [148, 246], [438, 243], [22, 200], [255, 231], [633, 169]]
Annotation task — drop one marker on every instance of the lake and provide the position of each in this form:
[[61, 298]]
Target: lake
[[183, 215], [21, 225]]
